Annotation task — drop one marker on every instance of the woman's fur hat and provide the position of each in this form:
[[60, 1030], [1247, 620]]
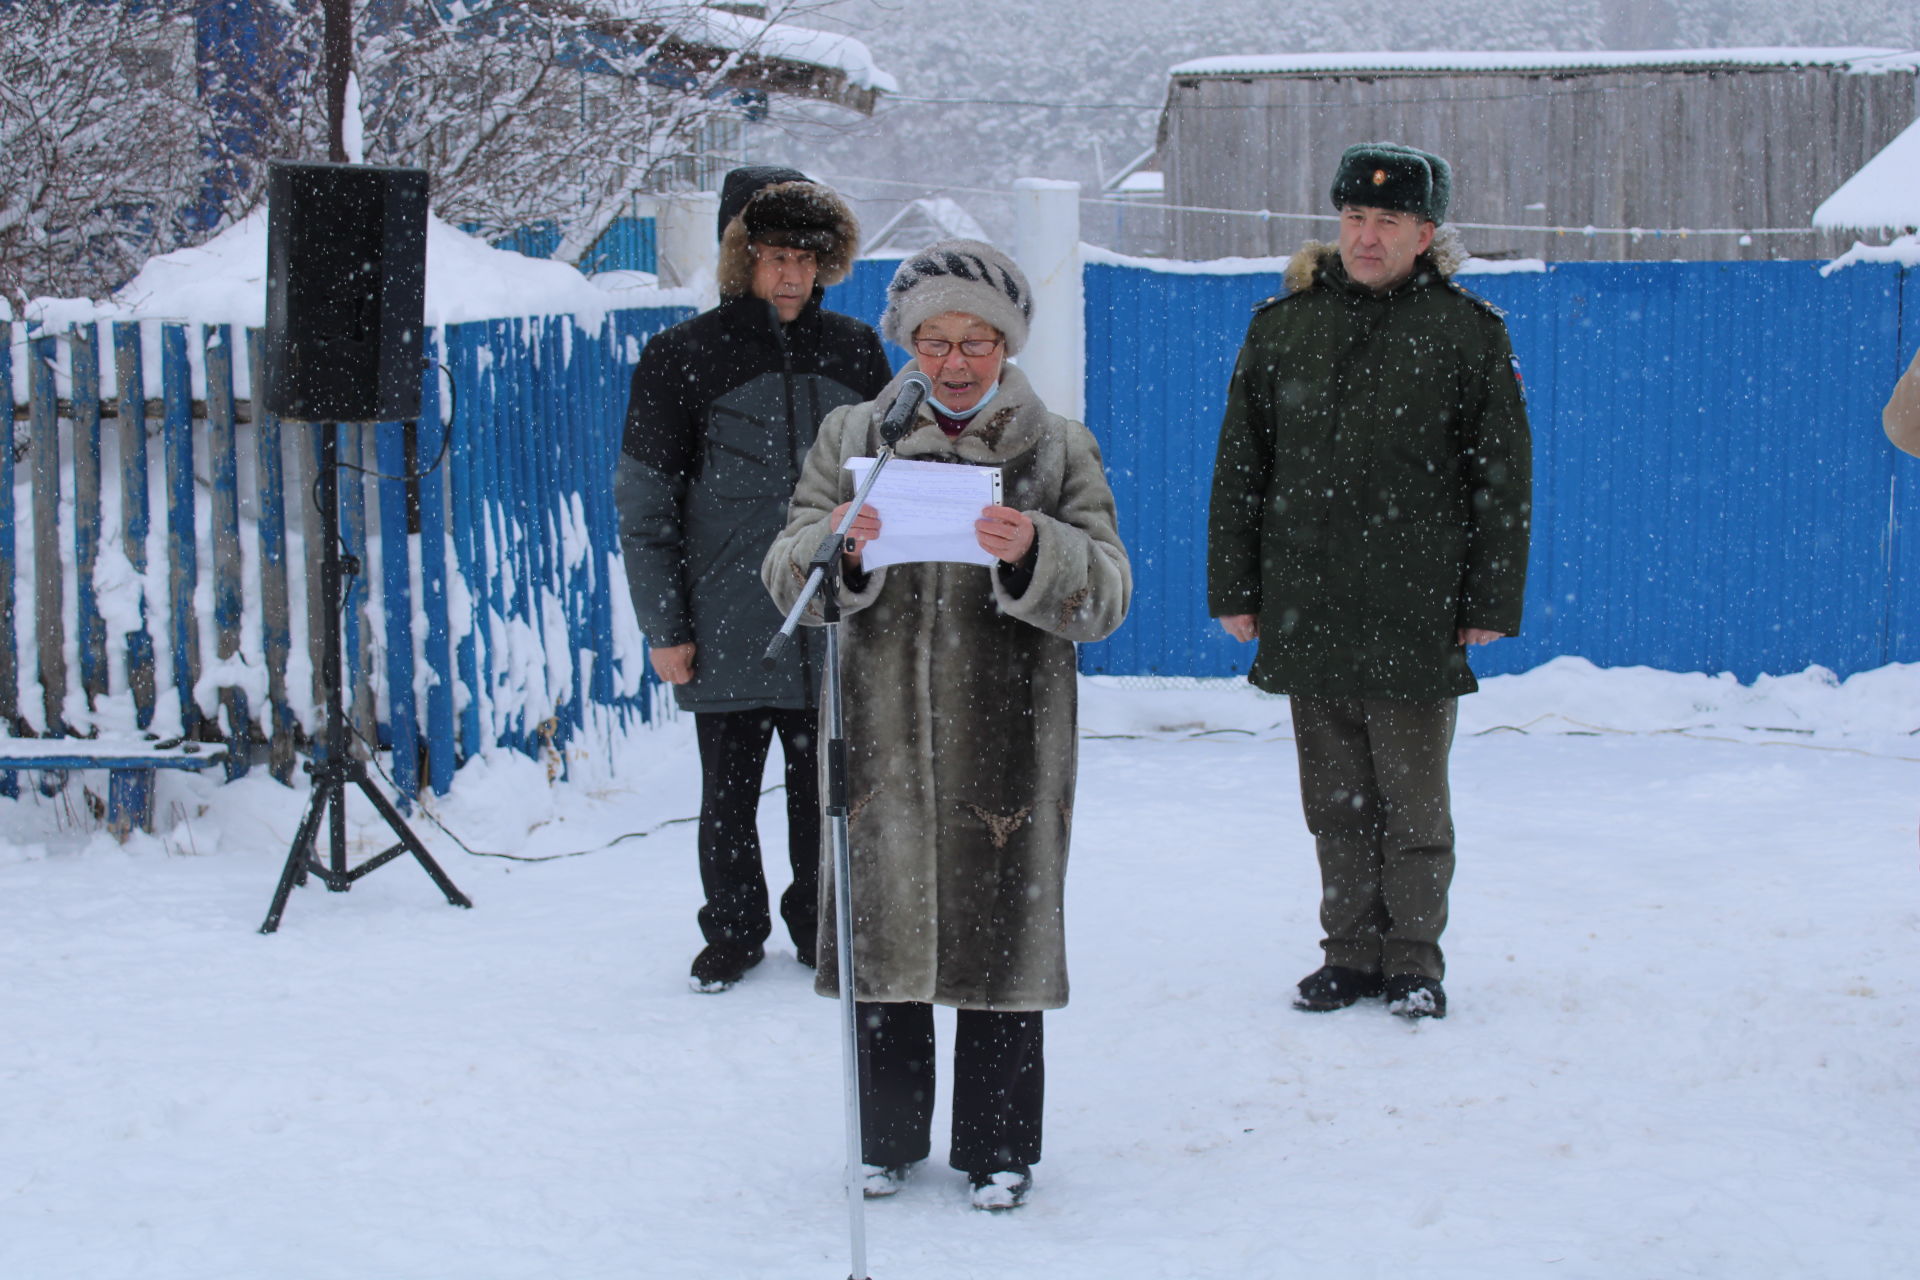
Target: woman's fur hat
[[765, 204], [958, 275]]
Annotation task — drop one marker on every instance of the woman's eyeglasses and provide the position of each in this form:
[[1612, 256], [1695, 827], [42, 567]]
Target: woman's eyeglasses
[[936, 348]]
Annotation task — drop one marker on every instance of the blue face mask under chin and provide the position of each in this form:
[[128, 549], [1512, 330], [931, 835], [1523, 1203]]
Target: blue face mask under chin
[[964, 414]]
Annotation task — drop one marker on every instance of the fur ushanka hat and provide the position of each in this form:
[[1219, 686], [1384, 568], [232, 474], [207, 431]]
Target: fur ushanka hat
[[767, 204], [1387, 175], [958, 275]]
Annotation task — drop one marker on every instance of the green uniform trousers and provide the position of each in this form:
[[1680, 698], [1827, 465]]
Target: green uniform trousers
[[1373, 784]]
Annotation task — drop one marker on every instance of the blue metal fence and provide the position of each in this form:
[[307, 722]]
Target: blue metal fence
[[863, 295], [1160, 350], [629, 244], [1902, 624], [1715, 487], [1712, 488]]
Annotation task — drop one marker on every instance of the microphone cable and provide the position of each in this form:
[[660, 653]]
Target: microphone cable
[[373, 758]]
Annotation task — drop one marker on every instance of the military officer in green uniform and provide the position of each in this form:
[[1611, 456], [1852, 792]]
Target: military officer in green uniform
[[1369, 522]]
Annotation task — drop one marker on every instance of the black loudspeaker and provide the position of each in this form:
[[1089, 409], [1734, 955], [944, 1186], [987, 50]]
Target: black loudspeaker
[[346, 291]]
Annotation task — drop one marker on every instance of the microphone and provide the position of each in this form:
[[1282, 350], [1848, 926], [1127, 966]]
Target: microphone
[[916, 388]]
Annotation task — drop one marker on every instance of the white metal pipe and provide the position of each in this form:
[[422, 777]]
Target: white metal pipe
[[1046, 244]]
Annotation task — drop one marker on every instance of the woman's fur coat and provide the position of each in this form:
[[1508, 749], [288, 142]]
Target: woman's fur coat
[[960, 706]]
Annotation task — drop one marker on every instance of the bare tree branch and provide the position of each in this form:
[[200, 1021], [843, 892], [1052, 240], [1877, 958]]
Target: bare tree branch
[[97, 134]]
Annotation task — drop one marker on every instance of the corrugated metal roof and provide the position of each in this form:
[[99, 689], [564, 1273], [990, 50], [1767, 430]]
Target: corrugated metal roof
[[1853, 60]]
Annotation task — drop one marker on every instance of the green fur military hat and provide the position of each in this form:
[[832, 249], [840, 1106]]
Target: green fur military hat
[[1387, 175]]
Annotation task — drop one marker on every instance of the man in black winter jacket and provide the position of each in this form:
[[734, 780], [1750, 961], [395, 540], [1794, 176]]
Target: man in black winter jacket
[[723, 411]]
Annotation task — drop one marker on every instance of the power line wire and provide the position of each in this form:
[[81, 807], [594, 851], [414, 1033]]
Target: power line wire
[[1679, 233], [925, 188], [1022, 102], [1367, 104], [1274, 215]]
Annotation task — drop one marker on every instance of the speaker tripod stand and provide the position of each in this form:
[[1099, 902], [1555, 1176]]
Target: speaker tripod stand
[[334, 767]]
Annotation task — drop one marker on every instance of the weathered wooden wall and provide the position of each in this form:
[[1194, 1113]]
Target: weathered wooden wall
[[1650, 148]]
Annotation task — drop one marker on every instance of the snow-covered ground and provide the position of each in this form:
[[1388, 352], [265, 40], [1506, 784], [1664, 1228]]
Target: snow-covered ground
[[1685, 940]]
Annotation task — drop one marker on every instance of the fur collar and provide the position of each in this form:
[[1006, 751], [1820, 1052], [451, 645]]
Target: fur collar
[[1446, 254], [1009, 427]]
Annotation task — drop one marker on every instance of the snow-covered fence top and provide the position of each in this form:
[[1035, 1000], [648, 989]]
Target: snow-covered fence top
[[156, 579]]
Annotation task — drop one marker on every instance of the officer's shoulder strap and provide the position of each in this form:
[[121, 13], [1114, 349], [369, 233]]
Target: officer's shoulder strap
[[1476, 300]]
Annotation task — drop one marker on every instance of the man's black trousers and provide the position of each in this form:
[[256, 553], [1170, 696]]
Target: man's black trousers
[[733, 758], [999, 1087]]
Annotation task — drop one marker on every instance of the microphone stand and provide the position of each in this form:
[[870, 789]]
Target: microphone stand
[[823, 580]]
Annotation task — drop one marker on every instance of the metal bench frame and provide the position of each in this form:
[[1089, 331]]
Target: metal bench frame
[[130, 767]]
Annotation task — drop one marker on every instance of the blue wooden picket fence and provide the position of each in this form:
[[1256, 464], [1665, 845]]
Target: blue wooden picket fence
[[1712, 488], [492, 607]]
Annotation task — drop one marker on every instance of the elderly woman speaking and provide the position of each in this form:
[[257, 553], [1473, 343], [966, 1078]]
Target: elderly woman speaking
[[959, 689]]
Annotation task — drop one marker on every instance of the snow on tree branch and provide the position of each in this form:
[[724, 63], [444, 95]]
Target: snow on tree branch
[[130, 129], [97, 132]]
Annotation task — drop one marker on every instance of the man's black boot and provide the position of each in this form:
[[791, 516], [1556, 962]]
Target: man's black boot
[[1334, 986]]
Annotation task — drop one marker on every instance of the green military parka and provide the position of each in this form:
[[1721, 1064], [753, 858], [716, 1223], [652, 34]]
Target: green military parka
[[1372, 492]]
